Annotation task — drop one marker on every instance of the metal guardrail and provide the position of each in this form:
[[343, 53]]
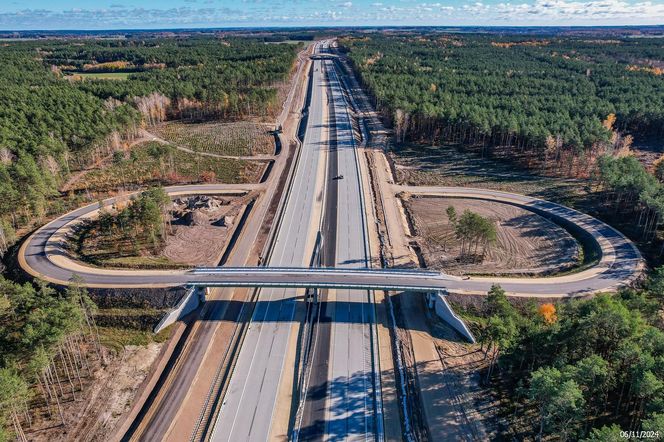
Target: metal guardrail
[[390, 271], [214, 398], [375, 357], [320, 285]]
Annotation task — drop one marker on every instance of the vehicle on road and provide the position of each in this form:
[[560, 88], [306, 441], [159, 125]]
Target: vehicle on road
[[338, 177]]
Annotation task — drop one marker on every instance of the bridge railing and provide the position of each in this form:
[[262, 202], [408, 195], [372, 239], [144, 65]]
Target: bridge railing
[[318, 284], [409, 272]]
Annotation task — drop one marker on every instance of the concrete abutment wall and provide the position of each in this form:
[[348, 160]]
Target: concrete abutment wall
[[194, 297], [437, 301]]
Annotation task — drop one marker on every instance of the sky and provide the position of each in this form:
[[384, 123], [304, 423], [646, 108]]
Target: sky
[[151, 14]]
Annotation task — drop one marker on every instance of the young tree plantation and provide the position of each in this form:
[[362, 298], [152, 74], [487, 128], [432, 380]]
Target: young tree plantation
[[55, 119]]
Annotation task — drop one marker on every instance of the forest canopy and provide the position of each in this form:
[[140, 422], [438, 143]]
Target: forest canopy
[[577, 369], [53, 115], [535, 95]]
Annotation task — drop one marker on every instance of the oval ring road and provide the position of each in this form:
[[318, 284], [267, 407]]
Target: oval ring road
[[43, 254]]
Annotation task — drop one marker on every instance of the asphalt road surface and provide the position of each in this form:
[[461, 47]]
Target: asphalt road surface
[[341, 401], [252, 396], [351, 399], [620, 262]]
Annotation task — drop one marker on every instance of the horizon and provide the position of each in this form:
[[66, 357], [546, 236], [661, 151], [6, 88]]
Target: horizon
[[78, 15], [288, 28]]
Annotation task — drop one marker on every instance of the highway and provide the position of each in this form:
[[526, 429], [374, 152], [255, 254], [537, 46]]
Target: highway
[[353, 401], [620, 262], [249, 407], [343, 394], [344, 364]]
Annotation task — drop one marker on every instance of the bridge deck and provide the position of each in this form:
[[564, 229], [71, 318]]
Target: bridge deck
[[334, 278]]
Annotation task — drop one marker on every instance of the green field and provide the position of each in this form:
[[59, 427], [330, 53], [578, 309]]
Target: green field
[[138, 262], [155, 163], [101, 75], [233, 139]]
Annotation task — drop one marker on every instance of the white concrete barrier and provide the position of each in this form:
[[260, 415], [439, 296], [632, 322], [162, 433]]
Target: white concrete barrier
[[189, 302], [437, 301]]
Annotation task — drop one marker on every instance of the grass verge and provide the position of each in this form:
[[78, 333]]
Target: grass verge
[[116, 338], [152, 163]]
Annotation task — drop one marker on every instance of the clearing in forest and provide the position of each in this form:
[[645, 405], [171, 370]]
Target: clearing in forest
[[446, 165], [526, 243], [82, 76], [156, 163], [232, 139], [107, 393], [197, 230]]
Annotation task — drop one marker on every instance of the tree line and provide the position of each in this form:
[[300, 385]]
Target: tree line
[[556, 103], [583, 368], [633, 193], [50, 126], [48, 342]]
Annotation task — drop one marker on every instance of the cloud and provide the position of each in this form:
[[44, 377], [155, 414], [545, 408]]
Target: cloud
[[78, 18], [203, 13], [563, 10]]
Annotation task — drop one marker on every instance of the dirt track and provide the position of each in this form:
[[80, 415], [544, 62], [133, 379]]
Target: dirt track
[[526, 244]]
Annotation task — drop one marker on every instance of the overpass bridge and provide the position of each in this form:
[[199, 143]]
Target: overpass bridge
[[433, 283], [321, 277]]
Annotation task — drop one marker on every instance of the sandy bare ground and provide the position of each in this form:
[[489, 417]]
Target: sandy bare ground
[[461, 376], [106, 396], [201, 229], [198, 231], [526, 243]]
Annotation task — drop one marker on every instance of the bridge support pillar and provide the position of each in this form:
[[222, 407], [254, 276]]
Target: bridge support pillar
[[438, 302], [194, 297]]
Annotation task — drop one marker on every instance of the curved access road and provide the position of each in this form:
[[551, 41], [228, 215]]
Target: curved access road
[[620, 262], [42, 255]]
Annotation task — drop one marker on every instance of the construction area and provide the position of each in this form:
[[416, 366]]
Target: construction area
[[197, 232], [201, 228], [526, 243], [423, 374]]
